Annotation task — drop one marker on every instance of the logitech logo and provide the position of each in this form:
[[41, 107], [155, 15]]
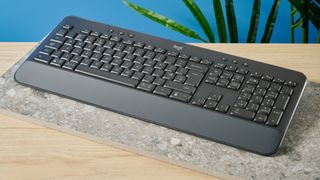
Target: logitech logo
[[179, 48]]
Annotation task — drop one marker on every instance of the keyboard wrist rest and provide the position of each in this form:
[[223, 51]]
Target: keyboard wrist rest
[[243, 134]]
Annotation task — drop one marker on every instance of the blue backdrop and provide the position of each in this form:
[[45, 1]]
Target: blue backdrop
[[32, 19]]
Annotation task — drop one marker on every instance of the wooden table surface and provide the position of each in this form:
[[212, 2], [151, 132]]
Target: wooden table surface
[[29, 151]]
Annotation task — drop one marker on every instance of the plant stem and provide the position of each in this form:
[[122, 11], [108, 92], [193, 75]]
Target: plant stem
[[305, 24], [291, 23]]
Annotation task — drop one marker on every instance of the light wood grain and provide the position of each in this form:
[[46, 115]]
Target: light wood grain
[[29, 151]]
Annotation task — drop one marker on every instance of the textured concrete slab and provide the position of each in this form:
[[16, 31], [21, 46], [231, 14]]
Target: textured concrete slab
[[298, 157]]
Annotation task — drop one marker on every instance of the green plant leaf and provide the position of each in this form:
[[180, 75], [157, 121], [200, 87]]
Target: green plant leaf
[[232, 22], [270, 22], [310, 13], [293, 11], [195, 10], [254, 22], [221, 25], [297, 24], [163, 21]]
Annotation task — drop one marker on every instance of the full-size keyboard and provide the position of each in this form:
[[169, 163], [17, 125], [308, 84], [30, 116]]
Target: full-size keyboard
[[232, 100]]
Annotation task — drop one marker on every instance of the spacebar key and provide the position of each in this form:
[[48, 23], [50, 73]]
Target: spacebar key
[[106, 75]]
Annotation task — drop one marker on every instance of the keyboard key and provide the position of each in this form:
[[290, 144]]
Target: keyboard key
[[86, 62], [180, 96], [106, 67], [252, 107], [179, 78], [85, 31], [244, 96], [263, 84], [260, 118], [162, 91], [278, 80], [211, 80], [126, 64], [210, 104], [62, 32], [255, 75], [106, 59], [286, 90], [252, 81], [274, 117], [160, 50], [215, 96], [240, 104], [116, 38], [57, 54], [242, 113], [107, 76], [53, 45], [170, 60], [116, 70], [282, 102], [43, 58], [127, 73], [67, 26], [271, 95], [194, 78], [69, 65], [248, 88], [238, 78], [148, 78], [138, 44], [267, 102], [195, 59], [256, 99], [267, 77], [264, 110], [146, 86], [59, 39], [80, 37], [290, 83], [180, 87], [197, 67], [206, 62], [234, 85], [222, 82], [198, 101], [128, 42], [231, 68], [66, 48], [226, 75], [158, 73], [66, 56], [183, 56], [46, 51], [149, 47], [57, 62], [242, 71], [76, 59], [260, 92], [173, 53], [137, 75], [160, 65], [275, 87], [159, 81], [222, 108], [96, 64], [169, 75]]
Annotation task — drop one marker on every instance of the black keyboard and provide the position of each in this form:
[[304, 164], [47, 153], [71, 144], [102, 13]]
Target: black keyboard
[[220, 97]]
